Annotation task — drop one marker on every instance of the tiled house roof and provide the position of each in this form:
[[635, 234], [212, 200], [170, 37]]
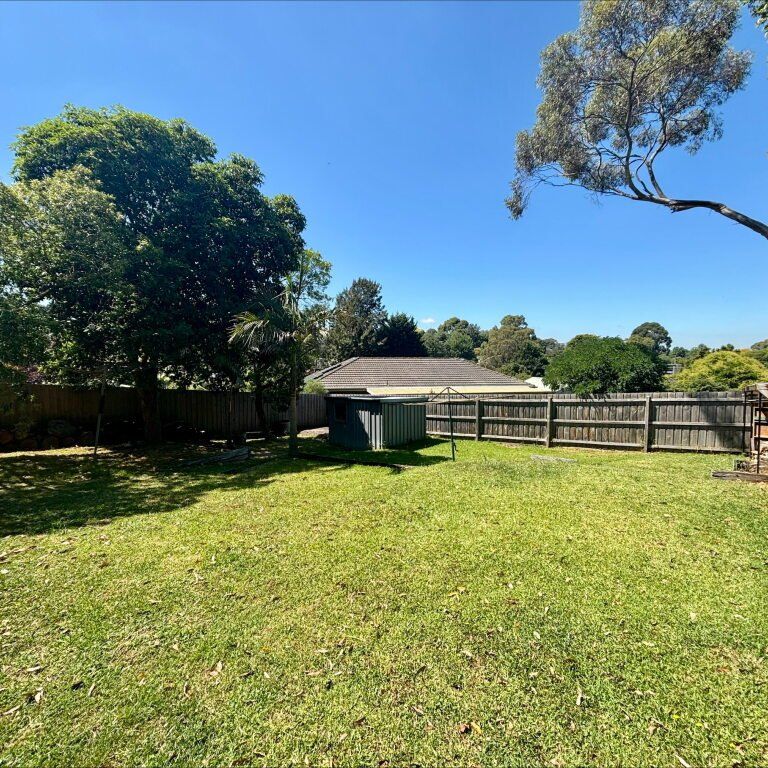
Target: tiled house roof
[[361, 374]]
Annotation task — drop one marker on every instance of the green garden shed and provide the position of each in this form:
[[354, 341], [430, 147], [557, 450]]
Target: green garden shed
[[361, 422]]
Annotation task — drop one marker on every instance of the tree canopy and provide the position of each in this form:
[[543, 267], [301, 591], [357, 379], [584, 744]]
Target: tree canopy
[[454, 337], [512, 348], [638, 77], [720, 371], [401, 337], [653, 335], [593, 365], [357, 322], [759, 9], [142, 245]]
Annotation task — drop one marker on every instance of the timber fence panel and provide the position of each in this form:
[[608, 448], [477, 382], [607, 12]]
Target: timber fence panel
[[676, 421], [217, 413]]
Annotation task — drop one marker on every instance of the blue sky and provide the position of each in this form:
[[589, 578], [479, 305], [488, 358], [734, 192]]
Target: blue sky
[[393, 125]]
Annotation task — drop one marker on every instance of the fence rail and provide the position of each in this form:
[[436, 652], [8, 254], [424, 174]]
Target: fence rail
[[218, 413], [676, 421]]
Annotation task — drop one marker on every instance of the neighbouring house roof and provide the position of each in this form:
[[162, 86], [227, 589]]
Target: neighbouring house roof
[[414, 375]]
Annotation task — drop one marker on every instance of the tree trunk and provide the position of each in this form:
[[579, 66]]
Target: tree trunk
[[146, 384], [293, 430], [676, 206], [258, 397]]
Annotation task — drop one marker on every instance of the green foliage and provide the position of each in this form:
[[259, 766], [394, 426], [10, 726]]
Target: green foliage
[[653, 335], [761, 355], [357, 322], [454, 338], [65, 244], [314, 387], [592, 365], [720, 371], [512, 348], [24, 338], [699, 351], [758, 345], [281, 336], [401, 337], [759, 9], [144, 245], [636, 78], [551, 347]]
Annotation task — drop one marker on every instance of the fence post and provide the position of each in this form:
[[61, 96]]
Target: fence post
[[478, 418], [648, 423], [550, 418]]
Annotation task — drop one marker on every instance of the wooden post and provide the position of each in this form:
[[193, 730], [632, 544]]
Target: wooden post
[[550, 419], [478, 418], [648, 438]]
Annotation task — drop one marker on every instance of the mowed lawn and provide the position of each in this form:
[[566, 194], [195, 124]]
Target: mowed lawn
[[493, 612]]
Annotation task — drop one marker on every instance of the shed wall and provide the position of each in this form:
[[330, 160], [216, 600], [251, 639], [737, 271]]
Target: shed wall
[[403, 423], [362, 428]]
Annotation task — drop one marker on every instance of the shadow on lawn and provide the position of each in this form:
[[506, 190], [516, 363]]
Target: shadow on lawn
[[396, 458], [43, 492]]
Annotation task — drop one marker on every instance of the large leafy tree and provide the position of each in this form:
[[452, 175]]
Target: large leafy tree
[[357, 322], [593, 365], [454, 337], [720, 371], [512, 348], [401, 337], [24, 332], [156, 245], [637, 78], [653, 335]]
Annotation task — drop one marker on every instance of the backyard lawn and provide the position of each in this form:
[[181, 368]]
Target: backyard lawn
[[493, 612]]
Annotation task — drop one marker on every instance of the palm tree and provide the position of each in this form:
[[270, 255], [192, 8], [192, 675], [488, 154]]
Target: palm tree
[[286, 322]]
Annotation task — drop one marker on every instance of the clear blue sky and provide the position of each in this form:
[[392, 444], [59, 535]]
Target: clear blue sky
[[393, 125]]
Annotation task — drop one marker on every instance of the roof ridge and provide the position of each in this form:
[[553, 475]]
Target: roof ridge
[[331, 368]]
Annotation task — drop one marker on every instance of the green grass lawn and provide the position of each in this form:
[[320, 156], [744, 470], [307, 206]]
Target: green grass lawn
[[492, 612]]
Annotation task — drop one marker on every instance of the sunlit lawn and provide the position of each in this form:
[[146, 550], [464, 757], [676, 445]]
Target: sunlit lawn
[[494, 612]]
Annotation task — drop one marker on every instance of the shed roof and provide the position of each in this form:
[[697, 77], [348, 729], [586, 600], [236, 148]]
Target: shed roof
[[359, 374]]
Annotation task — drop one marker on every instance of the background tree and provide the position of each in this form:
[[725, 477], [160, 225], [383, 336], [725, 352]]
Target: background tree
[[700, 350], [267, 361], [289, 323], [653, 335], [720, 371], [759, 9], [512, 348], [454, 337], [551, 347], [357, 322], [759, 351], [636, 78], [181, 243], [24, 335], [401, 337], [592, 365]]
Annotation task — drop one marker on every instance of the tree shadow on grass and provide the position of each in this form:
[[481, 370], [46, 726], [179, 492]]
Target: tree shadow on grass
[[44, 492], [396, 458]]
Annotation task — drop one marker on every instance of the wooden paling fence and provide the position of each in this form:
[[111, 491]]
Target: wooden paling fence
[[671, 421], [218, 413]]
